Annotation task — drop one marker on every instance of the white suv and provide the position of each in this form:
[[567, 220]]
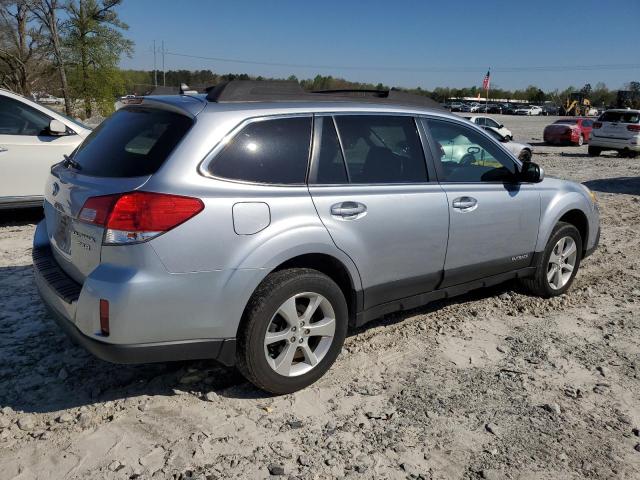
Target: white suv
[[32, 139], [617, 130]]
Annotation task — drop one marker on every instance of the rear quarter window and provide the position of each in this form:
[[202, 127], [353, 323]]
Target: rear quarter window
[[272, 151], [620, 117], [133, 142]]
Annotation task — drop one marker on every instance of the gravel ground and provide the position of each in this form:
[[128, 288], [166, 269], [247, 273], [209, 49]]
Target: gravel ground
[[495, 384]]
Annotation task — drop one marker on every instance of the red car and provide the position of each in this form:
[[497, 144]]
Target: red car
[[569, 130]]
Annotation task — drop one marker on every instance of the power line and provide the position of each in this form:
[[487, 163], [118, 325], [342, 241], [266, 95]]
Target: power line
[[544, 68]]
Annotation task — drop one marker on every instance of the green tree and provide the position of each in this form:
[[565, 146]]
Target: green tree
[[96, 44]]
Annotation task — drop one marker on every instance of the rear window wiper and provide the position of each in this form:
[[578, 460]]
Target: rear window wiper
[[70, 162]]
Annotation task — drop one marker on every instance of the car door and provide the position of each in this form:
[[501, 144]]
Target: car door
[[372, 189], [27, 150], [493, 219]]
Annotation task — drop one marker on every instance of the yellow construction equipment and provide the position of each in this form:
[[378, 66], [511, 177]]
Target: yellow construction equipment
[[577, 104]]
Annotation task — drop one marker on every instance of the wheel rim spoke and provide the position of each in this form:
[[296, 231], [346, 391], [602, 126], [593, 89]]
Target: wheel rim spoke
[[323, 328], [289, 312], [550, 275], [274, 337], [570, 249], [314, 303], [284, 361], [568, 267], [557, 279], [309, 355]]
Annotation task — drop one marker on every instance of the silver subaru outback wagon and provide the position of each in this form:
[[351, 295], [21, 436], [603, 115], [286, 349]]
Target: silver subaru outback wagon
[[255, 224]]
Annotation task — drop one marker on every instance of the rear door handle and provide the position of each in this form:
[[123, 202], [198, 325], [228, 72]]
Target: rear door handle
[[348, 209], [465, 204]]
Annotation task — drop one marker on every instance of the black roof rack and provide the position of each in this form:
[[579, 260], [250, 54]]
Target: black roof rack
[[287, 91]]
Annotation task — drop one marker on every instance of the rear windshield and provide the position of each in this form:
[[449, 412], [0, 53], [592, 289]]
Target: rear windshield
[[623, 117], [133, 142], [571, 121]]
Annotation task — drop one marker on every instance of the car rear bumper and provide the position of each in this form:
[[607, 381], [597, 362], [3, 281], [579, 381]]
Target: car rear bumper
[[62, 295], [616, 143]]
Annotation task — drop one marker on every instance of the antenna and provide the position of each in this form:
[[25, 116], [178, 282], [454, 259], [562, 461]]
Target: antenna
[[155, 68], [164, 73]]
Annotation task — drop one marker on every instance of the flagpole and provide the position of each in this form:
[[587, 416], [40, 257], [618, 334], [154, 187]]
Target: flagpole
[[486, 103]]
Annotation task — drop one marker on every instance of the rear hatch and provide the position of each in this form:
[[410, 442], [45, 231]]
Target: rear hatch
[[617, 124], [119, 156]]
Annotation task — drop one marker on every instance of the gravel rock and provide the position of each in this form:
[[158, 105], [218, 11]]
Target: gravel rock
[[211, 396], [276, 469], [26, 423], [492, 428], [304, 460], [65, 418], [553, 408]]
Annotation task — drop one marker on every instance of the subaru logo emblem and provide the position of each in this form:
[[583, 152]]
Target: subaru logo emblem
[[55, 189]]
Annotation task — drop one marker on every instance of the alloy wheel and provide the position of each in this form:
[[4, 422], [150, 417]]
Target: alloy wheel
[[300, 334], [562, 262]]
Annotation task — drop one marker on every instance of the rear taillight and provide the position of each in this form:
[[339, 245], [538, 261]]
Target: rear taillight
[[633, 128], [138, 216], [597, 124]]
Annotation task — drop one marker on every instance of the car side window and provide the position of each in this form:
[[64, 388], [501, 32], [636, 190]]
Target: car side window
[[274, 151], [467, 155], [381, 149], [492, 123], [329, 165], [587, 123], [481, 121], [17, 118]]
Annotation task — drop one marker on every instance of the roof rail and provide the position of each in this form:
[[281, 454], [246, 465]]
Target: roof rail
[[284, 91]]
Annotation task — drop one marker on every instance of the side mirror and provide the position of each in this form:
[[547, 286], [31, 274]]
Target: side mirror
[[531, 173], [501, 126], [56, 127]]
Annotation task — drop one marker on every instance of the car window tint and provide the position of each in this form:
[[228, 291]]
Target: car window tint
[[268, 151], [624, 117], [469, 156], [330, 168], [133, 142], [17, 118], [382, 149]]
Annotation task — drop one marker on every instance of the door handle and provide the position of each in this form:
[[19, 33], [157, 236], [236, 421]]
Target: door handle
[[348, 209], [465, 204]]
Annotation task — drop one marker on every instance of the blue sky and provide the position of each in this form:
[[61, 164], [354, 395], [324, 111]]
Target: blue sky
[[392, 41]]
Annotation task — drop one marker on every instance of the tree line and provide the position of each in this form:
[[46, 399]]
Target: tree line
[[68, 47], [72, 49]]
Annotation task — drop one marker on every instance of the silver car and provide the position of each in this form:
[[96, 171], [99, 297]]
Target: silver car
[[256, 224]]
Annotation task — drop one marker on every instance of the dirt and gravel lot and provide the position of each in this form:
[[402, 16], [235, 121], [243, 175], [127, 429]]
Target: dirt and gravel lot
[[495, 384]]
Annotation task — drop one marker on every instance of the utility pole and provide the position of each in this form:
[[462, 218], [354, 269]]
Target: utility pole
[[164, 73], [155, 68]]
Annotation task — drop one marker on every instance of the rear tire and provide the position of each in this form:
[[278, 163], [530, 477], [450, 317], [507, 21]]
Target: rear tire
[[280, 346], [558, 265], [594, 151]]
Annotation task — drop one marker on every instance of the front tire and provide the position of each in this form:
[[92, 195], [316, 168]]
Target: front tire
[[557, 267], [292, 330], [594, 151]]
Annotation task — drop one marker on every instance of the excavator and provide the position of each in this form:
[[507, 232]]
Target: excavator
[[577, 104]]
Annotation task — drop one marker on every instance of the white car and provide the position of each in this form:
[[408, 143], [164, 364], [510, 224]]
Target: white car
[[617, 130], [529, 110], [32, 139], [523, 151], [490, 122]]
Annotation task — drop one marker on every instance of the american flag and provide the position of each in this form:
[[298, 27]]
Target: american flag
[[487, 80]]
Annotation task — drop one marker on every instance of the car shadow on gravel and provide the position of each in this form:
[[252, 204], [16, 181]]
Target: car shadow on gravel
[[626, 185], [19, 217], [41, 370]]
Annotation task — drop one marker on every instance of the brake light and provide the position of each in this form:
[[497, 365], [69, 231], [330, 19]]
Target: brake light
[[138, 216], [597, 124], [633, 128]]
